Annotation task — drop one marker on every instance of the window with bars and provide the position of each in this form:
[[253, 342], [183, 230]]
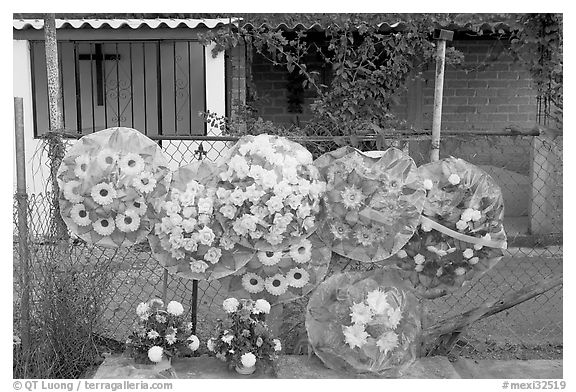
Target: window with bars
[[157, 87]]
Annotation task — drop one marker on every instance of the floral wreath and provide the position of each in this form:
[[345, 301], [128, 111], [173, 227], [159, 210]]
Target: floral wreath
[[111, 183]]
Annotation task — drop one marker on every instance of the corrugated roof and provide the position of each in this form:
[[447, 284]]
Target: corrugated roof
[[38, 24]]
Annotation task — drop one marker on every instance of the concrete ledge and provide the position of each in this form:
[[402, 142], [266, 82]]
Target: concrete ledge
[[528, 369]]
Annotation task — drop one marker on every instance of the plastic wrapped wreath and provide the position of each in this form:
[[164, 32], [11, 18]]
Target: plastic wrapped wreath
[[187, 239], [461, 234], [373, 204], [269, 193], [111, 183], [364, 322], [280, 276]]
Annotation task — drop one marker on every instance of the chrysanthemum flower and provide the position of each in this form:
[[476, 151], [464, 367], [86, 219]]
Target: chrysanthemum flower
[[352, 197], [360, 313], [194, 342], [155, 353], [297, 277], [144, 182], [128, 222], [269, 258], [276, 285], [171, 339], [79, 215], [131, 164], [82, 164], [72, 191], [355, 335], [252, 282], [103, 193], [365, 236], [301, 252], [248, 360], [106, 158], [138, 205], [261, 306], [387, 342], [104, 226], [378, 301]]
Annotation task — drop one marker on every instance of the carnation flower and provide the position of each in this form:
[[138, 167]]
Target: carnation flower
[[205, 205], [387, 342], [468, 253], [277, 344], [131, 164], [269, 258], [401, 253], [304, 210], [419, 259], [198, 266], [461, 225], [355, 335], [230, 305], [152, 334], [228, 210], [206, 236], [276, 285], [460, 271], [352, 197], [339, 230], [128, 222], [103, 193], [79, 215], [144, 182], [226, 243], [252, 282], [261, 306], [239, 165], [269, 179], [297, 277], [428, 184], [172, 207], [213, 255], [378, 301], [175, 308], [82, 164], [361, 313], [275, 204], [194, 342], [301, 252], [138, 205], [106, 158], [248, 360], [473, 260], [72, 191], [104, 226], [454, 179], [155, 353]]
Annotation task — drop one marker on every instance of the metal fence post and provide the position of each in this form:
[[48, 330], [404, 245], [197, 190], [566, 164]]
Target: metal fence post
[[22, 198]]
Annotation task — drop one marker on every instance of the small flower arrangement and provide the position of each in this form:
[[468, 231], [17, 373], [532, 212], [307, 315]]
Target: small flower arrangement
[[110, 185], [162, 333], [245, 340], [268, 194], [373, 203], [461, 233]]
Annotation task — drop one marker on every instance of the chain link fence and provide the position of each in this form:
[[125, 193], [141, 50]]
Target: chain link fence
[[83, 297]]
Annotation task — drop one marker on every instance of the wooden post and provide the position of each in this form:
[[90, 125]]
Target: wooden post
[[441, 36]]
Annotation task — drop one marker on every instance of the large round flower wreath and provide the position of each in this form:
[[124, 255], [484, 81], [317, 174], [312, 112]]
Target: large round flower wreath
[[282, 276], [268, 194], [373, 204], [111, 183], [461, 234], [187, 239], [364, 322]]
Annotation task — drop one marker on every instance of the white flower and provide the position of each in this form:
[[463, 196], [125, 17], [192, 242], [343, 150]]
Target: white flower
[[282, 189], [277, 344], [155, 353], [352, 197], [478, 246], [152, 334], [238, 164], [227, 338], [230, 305], [82, 165], [72, 191], [104, 226], [419, 267], [297, 277], [172, 207], [308, 223], [131, 164], [428, 184], [276, 285], [237, 197], [171, 339], [460, 271], [106, 158], [206, 236], [468, 253], [339, 230], [387, 342], [269, 179], [261, 306], [144, 182], [274, 204], [188, 225], [419, 259], [273, 239], [467, 214], [248, 360], [213, 255], [378, 301], [253, 194], [194, 342], [103, 193], [401, 253], [223, 194], [138, 205], [252, 282], [303, 210], [269, 258], [175, 308], [186, 199], [189, 212], [394, 317], [198, 266], [361, 313], [301, 252], [210, 345], [79, 215], [425, 227], [454, 179], [128, 222], [142, 309], [161, 319], [205, 205], [355, 335], [439, 271], [461, 225], [473, 260], [228, 210], [294, 201], [226, 243]]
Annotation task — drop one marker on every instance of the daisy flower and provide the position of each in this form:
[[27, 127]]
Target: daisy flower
[[80, 215], [276, 285], [106, 158], [297, 277], [339, 230], [128, 222], [355, 335], [387, 342], [171, 339], [269, 258], [365, 236], [138, 205], [103, 193], [131, 164], [82, 164], [302, 252], [378, 301], [144, 182], [71, 191], [352, 197], [361, 313], [104, 226], [252, 282]]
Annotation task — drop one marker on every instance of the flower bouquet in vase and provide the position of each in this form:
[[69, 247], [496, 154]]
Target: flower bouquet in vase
[[373, 204], [364, 322], [244, 341], [111, 185], [187, 238], [461, 234], [161, 334]]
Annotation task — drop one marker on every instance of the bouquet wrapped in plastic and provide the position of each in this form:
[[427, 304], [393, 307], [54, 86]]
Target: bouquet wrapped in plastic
[[364, 322], [373, 204], [111, 185], [461, 234], [268, 194], [187, 238], [282, 276]]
